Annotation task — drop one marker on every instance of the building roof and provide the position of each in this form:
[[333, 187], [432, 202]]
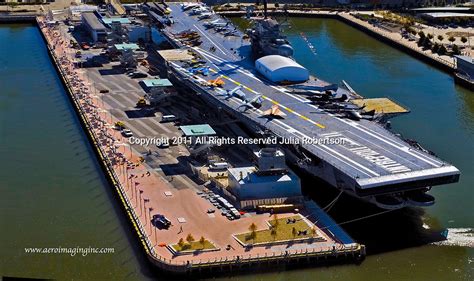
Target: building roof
[[279, 68], [175, 55], [466, 59], [150, 83], [447, 15], [250, 177], [82, 8], [109, 21], [126, 46], [198, 130], [442, 9], [274, 62], [93, 21]]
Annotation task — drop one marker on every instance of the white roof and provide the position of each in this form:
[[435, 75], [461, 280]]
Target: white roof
[[447, 15], [274, 62]]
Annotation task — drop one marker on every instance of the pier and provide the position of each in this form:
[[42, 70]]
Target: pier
[[142, 190], [393, 39]]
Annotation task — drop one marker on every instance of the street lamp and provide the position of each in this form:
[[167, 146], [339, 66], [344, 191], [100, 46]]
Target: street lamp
[[140, 201]]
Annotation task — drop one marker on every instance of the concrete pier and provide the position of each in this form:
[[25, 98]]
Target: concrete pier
[[131, 179], [393, 39]]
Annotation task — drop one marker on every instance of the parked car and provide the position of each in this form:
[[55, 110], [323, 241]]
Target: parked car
[[165, 144], [137, 75], [127, 133], [210, 211], [161, 220]]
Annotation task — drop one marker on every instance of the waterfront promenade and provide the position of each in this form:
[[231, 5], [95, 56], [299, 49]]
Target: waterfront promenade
[[393, 38], [143, 192]]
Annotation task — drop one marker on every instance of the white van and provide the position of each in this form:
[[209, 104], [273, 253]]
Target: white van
[[219, 166], [168, 118]]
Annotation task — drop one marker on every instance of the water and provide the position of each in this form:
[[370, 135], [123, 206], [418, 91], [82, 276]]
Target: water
[[53, 193], [65, 201]]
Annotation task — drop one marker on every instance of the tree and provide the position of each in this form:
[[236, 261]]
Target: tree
[[275, 221], [451, 39], [442, 50], [181, 242], [12, 5], [313, 231], [464, 39], [202, 241], [440, 37], [421, 34], [456, 50], [253, 227], [253, 231], [435, 48], [293, 231], [426, 43], [430, 36], [189, 238], [273, 233]]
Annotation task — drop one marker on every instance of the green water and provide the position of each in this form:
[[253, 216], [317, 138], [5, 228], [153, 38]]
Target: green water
[[53, 192]]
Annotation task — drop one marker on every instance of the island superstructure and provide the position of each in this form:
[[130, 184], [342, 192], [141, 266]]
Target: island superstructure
[[371, 163]]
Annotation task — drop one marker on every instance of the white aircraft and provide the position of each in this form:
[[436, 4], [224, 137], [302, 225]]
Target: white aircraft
[[234, 92], [256, 103], [188, 6], [204, 16]]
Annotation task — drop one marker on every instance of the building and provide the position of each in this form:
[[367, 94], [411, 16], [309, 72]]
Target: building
[[135, 31], [94, 27], [281, 69], [465, 65], [465, 71], [271, 182], [197, 138], [126, 47], [158, 90]]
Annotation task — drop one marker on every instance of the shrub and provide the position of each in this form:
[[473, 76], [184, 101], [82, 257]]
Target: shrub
[[442, 50], [456, 50]]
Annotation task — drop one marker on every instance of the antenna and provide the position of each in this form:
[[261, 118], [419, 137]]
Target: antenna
[[265, 8]]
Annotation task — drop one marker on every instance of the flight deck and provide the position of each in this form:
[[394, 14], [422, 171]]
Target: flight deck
[[371, 159]]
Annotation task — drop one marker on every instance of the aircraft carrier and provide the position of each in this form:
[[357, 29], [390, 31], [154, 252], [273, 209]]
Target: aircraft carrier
[[372, 163]]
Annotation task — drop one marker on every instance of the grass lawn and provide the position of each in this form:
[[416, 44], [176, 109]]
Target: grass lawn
[[284, 231], [194, 246]]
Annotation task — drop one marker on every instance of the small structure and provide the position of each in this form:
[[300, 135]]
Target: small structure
[[270, 183], [200, 130], [158, 89], [126, 47], [96, 29], [134, 31], [198, 138], [280, 69], [153, 83], [76, 11], [465, 71], [109, 21]]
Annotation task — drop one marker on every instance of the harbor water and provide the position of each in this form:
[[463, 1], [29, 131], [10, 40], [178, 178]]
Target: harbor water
[[54, 193]]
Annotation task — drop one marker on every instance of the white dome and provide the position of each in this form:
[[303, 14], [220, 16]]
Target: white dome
[[278, 69]]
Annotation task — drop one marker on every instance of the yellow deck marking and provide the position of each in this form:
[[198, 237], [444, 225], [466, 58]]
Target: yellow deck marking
[[271, 100]]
